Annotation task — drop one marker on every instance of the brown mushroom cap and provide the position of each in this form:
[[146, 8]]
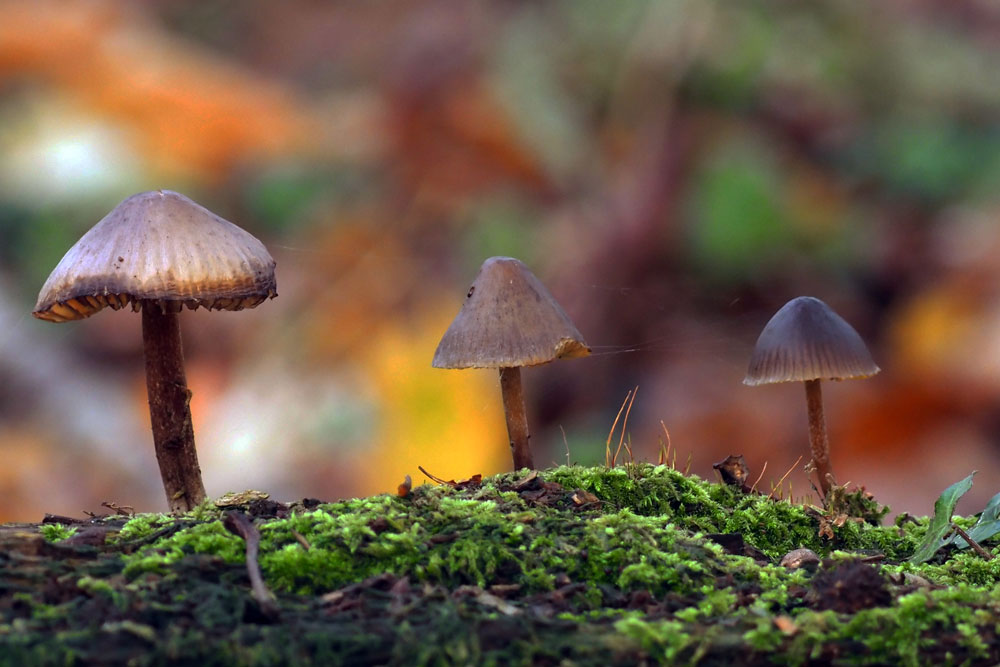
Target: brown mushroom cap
[[806, 340], [158, 246], [508, 320]]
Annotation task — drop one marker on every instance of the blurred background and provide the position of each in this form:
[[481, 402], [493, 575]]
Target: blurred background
[[674, 171]]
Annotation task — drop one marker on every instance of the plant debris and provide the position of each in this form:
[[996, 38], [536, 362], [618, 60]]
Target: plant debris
[[239, 524]]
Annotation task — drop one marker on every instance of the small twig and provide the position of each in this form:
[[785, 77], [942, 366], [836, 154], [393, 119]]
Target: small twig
[[127, 510], [782, 480], [240, 524], [67, 520], [759, 477], [874, 558], [433, 478], [301, 539], [986, 555]]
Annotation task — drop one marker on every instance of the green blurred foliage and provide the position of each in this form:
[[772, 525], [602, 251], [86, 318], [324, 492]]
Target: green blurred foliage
[[500, 227], [739, 226]]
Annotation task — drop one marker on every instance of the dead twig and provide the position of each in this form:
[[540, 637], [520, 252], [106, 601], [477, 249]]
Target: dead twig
[[68, 520], [874, 558], [434, 478], [127, 510], [983, 553], [240, 524], [472, 482], [301, 539]]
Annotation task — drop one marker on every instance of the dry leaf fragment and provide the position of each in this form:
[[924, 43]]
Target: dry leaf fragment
[[581, 497], [528, 479], [786, 625], [403, 490]]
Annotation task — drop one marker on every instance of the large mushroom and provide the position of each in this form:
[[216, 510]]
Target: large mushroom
[[509, 320], [807, 342], [159, 251]]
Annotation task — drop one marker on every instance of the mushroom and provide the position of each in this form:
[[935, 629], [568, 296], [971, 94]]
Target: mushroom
[[807, 342], [160, 251], [509, 320]]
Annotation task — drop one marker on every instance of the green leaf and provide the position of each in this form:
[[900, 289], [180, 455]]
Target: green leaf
[[987, 526], [940, 525]]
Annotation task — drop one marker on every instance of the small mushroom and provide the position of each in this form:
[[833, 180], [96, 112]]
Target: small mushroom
[[807, 342], [509, 320], [160, 251]]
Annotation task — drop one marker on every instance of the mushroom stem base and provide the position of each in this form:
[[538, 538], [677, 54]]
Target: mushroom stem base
[[517, 419], [170, 408], [818, 441]]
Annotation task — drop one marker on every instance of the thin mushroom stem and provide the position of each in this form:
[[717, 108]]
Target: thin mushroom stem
[[818, 441], [170, 408], [517, 418]]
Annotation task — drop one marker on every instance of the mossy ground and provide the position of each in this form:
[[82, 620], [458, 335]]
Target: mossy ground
[[578, 566]]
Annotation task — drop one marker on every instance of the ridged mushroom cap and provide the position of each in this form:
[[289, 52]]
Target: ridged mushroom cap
[[806, 340], [508, 320], [158, 246]]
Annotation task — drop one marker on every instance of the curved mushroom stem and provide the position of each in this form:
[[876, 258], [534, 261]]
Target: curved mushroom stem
[[517, 419], [817, 437], [169, 408]]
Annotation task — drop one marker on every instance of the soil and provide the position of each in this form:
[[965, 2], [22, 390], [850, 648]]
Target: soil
[[581, 566]]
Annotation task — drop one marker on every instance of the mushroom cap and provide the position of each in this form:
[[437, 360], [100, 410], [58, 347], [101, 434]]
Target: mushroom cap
[[158, 246], [806, 340], [508, 320]]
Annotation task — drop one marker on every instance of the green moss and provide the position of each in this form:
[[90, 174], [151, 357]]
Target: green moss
[[54, 532], [448, 540], [645, 535], [774, 527], [142, 526], [962, 567], [904, 633], [99, 587], [207, 538], [649, 490], [630, 579], [664, 641]]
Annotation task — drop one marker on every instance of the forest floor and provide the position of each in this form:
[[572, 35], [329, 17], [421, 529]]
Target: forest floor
[[569, 566]]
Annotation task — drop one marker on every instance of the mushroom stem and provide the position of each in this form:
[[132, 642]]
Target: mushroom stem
[[517, 419], [169, 408], [817, 437]]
